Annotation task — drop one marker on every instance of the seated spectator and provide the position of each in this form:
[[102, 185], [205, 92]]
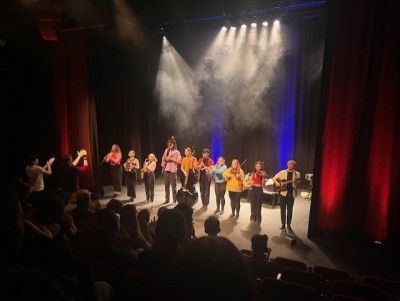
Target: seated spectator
[[187, 212], [258, 258], [17, 281], [144, 221], [212, 226], [129, 230], [115, 205], [208, 268], [94, 202]]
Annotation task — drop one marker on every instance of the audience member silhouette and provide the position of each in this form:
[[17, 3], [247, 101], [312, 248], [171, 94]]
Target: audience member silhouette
[[144, 221], [187, 212], [208, 268], [212, 226], [130, 232], [18, 282], [258, 258]]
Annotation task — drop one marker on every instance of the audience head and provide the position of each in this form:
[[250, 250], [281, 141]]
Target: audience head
[[187, 212], [209, 268], [83, 201], [115, 205], [259, 244], [170, 229], [144, 216], [212, 226], [161, 210], [128, 219], [107, 221]]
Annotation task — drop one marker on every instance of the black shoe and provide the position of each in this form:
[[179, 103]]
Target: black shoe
[[232, 215], [166, 202], [217, 210], [221, 212], [282, 227]]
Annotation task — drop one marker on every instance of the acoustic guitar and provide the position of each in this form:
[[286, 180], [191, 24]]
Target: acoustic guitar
[[283, 183]]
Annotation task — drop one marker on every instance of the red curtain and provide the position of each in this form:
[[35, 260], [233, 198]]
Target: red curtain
[[71, 97], [359, 171]]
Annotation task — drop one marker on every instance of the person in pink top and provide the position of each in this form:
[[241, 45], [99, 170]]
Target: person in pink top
[[169, 163], [114, 159]]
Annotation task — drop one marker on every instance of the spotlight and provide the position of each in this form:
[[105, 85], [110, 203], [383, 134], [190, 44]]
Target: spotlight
[[233, 27], [265, 23], [253, 25], [244, 26], [224, 28], [276, 22]]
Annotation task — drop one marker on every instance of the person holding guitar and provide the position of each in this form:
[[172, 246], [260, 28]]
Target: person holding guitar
[[286, 182], [234, 185], [169, 163], [257, 179]]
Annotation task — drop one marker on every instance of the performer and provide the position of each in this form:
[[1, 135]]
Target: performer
[[216, 172], [234, 186], [131, 167], [114, 158], [149, 166], [286, 182], [204, 179], [169, 163], [257, 179], [188, 168], [68, 175]]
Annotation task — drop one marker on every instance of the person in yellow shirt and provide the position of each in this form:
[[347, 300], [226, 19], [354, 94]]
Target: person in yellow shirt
[[188, 168], [234, 185]]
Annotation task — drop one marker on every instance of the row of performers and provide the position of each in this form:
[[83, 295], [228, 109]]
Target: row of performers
[[204, 170]]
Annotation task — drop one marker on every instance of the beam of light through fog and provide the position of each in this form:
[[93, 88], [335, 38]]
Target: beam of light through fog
[[177, 90], [127, 25], [244, 64]]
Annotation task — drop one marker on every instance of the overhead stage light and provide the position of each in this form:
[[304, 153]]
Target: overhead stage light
[[253, 25], [276, 22], [244, 26], [265, 23], [224, 28]]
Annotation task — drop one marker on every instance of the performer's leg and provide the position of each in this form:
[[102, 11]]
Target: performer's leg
[[151, 187], [258, 206], [232, 198], [217, 196], [166, 183], [290, 203], [222, 196], [173, 184], [253, 202], [282, 201]]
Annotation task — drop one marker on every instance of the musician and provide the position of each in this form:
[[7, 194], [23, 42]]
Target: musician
[[216, 172], [234, 185], [149, 166], [169, 163], [204, 179], [114, 158], [286, 181], [188, 168], [257, 179], [131, 167]]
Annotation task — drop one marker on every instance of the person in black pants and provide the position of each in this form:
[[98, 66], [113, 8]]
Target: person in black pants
[[286, 182], [203, 164]]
